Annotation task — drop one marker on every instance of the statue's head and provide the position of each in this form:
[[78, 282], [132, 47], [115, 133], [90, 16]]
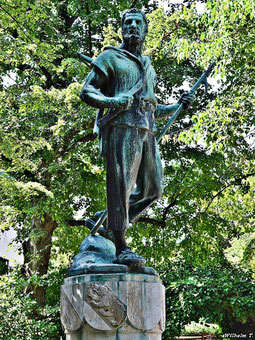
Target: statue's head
[[134, 25]]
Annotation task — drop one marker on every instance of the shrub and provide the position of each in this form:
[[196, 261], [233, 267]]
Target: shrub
[[21, 317], [223, 295], [201, 328]]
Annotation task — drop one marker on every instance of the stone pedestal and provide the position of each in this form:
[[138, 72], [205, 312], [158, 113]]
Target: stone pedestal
[[121, 306]]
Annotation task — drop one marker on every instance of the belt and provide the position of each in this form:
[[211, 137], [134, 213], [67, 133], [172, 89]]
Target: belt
[[146, 104]]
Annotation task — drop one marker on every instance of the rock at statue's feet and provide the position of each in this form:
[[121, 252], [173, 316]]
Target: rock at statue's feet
[[129, 258]]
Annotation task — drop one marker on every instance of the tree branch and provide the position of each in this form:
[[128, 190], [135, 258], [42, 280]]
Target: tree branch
[[17, 22], [151, 221], [89, 137], [89, 27], [236, 181], [101, 231], [133, 4], [167, 208], [63, 12], [68, 146], [74, 223]]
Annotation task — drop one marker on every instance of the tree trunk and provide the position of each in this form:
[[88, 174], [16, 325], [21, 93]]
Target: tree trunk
[[37, 253]]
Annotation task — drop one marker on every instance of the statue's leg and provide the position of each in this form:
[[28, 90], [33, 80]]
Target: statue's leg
[[149, 181], [124, 155], [149, 184], [123, 158]]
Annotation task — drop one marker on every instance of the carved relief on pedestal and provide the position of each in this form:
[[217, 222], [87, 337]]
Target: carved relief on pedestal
[[132, 307], [70, 318], [144, 306], [105, 303]]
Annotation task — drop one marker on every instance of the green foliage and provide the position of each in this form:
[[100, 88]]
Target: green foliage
[[50, 169], [242, 252], [217, 293], [18, 308]]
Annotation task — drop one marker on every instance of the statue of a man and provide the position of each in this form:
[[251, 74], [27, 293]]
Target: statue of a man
[[134, 171]]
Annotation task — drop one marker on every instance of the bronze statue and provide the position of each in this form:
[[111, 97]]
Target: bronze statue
[[123, 80]]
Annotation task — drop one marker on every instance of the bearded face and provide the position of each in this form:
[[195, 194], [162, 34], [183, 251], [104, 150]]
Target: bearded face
[[133, 29]]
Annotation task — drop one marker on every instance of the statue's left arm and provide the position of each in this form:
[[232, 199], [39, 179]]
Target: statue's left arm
[[164, 111]]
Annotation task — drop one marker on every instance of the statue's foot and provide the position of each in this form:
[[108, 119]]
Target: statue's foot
[[129, 258]]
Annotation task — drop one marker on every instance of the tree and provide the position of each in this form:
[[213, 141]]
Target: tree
[[48, 157]]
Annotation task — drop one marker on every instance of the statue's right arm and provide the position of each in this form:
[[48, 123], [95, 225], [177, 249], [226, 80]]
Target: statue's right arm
[[91, 95]]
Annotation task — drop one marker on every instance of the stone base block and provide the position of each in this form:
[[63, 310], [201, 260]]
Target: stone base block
[[126, 306]]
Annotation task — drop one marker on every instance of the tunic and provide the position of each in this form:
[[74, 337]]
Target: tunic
[[122, 70]]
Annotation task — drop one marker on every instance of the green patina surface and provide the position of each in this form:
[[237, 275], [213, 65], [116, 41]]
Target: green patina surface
[[121, 84]]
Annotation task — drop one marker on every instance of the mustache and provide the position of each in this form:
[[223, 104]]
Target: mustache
[[132, 31]]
